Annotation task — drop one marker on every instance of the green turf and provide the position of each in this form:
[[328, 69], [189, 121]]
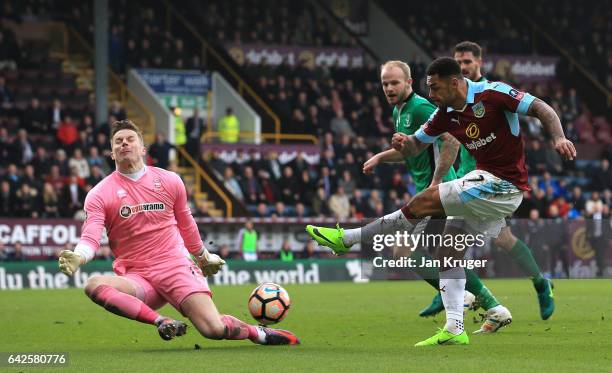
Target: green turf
[[343, 327]]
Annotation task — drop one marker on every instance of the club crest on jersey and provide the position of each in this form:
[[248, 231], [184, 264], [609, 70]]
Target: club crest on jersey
[[126, 211], [479, 110], [472, 131], [157, 185]]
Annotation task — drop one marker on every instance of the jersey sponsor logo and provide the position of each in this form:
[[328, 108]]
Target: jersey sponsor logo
[[516, 94], [472, 131], [479, 110], [480, 142], [126, 210]]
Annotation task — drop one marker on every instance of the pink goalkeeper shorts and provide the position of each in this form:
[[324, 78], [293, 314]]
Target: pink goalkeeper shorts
[[170, 281]]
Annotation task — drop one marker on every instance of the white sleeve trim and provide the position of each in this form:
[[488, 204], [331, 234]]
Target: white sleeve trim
[[85, 251]]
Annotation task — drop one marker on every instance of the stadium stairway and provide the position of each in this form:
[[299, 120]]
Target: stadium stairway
[[190, 176]]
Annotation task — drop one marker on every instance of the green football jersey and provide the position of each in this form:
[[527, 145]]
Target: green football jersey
[[467, 163], [408, 118]]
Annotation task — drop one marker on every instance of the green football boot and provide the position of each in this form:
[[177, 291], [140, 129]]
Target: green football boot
[[546, 300], [436, 306], [442, 337], [329, 237]]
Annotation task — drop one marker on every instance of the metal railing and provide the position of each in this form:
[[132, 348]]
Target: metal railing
[[209, 136], [201, 174]]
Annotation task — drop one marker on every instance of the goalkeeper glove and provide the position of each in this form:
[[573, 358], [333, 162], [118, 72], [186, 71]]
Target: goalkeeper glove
[[209, 263], [69, 261]]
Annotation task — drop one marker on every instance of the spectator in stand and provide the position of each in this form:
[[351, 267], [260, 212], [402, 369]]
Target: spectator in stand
[[262, 211], [5, 146], [104, 149], [229, 127], [7, 199], [12, 176], [287, 185], [72, 197], [79, 163], [61, 161], [29, 177], [159, 151], [594, 204], [41, 162], [300, 210], [67, 133], [22, 148], [50, 202], [35, 118], [251, 189], [230, 182], [94, 159], [6, 97], [340, 126], [602, 178], [56, 115], [319, 204], [195, 129], [339, 204], [26, 202], [224, 252], [95, 177], [280, 211], [55, 178], [309, 251]]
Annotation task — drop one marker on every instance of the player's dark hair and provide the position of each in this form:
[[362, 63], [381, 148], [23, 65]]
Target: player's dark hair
[[125, 124], [444, 67], [469, 46]]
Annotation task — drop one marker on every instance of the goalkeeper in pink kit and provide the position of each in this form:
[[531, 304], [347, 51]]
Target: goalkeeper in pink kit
[[151, 233]]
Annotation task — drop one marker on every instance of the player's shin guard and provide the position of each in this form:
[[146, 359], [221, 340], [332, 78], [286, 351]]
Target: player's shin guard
[[236, 329], [123, 304], [452, 288]]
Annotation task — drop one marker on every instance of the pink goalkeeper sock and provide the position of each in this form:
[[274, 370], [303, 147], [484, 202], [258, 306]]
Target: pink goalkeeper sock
[[123, 304], [236, 329]]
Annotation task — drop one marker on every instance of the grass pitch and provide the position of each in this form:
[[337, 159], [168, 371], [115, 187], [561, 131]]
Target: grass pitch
[[343, 327]]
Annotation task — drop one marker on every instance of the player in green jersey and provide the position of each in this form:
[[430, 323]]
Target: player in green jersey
[[428, 168], [469, 56]]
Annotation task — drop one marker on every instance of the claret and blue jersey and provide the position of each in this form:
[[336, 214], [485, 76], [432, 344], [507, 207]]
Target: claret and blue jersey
[[488, 127]]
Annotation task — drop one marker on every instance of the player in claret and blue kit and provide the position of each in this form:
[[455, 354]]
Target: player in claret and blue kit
[[483, 117]]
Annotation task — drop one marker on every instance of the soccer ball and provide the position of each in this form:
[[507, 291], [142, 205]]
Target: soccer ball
[[269, 303]]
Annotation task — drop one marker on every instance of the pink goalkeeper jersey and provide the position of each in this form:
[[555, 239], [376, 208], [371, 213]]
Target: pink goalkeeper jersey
[[145, 219]]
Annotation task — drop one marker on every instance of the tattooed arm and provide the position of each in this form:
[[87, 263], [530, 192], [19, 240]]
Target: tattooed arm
[[448, 154], [552, 125]]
